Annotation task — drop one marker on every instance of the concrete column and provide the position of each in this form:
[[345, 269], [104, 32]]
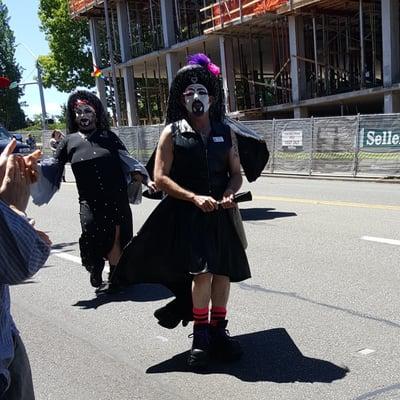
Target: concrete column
[[297, 66], [227, 72], [171, 60], [96, 56], [391, 52], [300, 112], [126, 54], [168, 24], [391, 103]]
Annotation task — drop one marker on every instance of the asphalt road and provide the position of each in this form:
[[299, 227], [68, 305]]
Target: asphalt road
[[319, 319]]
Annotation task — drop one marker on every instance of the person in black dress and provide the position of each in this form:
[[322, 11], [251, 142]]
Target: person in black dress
[[95, 154], [194, 241]]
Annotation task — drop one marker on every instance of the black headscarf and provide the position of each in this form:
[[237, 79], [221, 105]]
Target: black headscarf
[[197, 71], [88, 98]]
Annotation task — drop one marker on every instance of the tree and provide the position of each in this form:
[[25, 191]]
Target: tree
[[11, 114], [69, 63], [62, 118]]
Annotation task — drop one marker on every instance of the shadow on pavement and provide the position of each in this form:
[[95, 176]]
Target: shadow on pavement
[[138, 293], [294, 295], [258, 214], [59, 246], [48, 266], [269, 356], [25, 283]]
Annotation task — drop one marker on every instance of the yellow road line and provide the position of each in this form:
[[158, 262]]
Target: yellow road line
[[328, 203]]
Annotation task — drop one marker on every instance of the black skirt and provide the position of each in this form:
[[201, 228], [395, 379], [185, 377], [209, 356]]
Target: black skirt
[[178, 241], [99, 219]]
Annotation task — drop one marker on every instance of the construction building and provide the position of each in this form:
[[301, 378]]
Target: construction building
[[278, 58]]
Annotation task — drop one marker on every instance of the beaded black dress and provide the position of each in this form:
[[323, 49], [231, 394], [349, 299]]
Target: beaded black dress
[[102, 190]]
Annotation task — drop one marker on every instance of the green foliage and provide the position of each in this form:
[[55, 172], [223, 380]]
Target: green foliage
[[62, 118], [11, 114], [36, 123], [69, 63], [37, 126]]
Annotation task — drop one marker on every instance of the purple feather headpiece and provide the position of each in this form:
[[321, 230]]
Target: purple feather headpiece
[[204, 61]]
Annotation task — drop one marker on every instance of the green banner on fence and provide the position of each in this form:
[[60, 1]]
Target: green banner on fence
[[379, 138]]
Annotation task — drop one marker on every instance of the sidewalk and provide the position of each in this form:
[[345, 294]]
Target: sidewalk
[[383, 179], [70, 177]]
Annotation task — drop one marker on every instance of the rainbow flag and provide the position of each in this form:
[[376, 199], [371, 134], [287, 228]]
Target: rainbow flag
[[97, 72]]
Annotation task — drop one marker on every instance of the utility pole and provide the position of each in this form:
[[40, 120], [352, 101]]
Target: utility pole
[[39, 82], [43, 105]]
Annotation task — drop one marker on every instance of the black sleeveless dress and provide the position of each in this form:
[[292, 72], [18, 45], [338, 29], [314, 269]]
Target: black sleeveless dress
[[178, 239]]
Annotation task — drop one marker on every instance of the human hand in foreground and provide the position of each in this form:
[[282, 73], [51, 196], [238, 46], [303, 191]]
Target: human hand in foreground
[[31, 221], [31, 165], [14, 188], [8, 150], [44, 237], [152, 186], [205, 203]]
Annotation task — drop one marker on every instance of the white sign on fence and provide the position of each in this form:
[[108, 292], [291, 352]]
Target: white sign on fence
[[292, 140]]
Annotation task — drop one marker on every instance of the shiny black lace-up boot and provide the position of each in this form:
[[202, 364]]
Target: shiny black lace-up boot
[[199, 353], [222, 346]]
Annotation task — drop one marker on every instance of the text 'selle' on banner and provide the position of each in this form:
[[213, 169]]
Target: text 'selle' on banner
[[379, 140]]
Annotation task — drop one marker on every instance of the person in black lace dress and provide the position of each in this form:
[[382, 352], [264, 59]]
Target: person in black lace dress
[[94, 153], [191, 233]]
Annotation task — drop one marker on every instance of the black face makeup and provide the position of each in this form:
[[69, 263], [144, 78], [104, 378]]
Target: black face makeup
[[85, 117], [197, 100]]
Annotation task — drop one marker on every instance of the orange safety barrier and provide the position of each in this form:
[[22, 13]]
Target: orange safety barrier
[[230, 10]]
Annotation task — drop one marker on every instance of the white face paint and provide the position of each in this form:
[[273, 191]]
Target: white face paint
[[85, 117], [197, 100]]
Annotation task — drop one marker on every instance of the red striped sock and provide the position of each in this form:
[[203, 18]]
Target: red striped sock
[[217, 314], [200, 315]]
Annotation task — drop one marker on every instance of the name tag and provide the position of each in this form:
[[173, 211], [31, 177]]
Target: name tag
[[218, 139]]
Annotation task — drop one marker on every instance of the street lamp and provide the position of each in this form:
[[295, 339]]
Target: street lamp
[[39, 83]]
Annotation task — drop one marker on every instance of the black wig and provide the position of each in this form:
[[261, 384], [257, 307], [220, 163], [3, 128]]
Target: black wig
[[101, 116], [199, 70]]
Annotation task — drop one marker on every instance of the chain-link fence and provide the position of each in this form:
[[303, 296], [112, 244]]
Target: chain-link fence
[[361, 145]]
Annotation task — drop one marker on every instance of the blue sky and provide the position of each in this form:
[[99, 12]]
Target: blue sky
[[25, 24]]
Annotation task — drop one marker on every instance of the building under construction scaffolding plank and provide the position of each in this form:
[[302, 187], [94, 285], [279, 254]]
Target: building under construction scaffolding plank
[[278, 58]]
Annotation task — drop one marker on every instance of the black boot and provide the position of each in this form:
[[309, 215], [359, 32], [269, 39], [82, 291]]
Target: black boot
[[222, 346], [198, 357], [96, 276], [112, 286], [173, 313]]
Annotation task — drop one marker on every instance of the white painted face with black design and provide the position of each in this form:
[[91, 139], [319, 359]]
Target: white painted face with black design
[[85, 117], [197, 100]]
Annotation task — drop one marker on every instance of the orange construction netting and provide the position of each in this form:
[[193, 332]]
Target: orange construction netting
[[229, 10], [268, 5], [77, 6]]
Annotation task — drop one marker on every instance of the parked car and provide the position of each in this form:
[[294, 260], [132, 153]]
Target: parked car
[[5, 138]]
